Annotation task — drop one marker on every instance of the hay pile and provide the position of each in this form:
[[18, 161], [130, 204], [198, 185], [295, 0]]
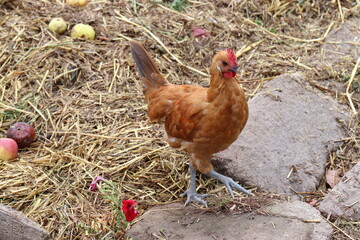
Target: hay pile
[[86, 103]]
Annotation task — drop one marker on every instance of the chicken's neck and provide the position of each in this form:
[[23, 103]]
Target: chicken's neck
[[221, 86], [227, 104]]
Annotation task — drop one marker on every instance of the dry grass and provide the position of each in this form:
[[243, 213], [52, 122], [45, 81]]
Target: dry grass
[[85, 101]]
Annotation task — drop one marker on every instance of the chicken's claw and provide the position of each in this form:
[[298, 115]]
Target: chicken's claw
[[191, 194], [194, 197], [228, 182]]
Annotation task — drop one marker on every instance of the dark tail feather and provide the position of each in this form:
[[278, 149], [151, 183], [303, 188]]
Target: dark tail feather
[[147, 69]]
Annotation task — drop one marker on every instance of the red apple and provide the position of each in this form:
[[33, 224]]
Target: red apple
[[8, 149], [23, 133]]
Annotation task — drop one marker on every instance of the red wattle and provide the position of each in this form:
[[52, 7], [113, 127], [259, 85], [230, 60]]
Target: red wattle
[[229, 74]]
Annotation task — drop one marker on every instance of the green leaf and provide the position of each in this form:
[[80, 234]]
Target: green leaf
[[178, 5]]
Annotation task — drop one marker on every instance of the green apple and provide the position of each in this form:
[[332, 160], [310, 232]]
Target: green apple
[[83, 31]]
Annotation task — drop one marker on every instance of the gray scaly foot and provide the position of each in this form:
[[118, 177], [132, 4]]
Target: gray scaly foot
[[228, 182], [191, 194]]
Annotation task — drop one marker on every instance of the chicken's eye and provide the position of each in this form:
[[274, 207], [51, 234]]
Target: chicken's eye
[[224, 63]]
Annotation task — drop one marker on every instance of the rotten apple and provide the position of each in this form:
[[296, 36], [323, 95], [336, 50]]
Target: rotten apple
[[23, 133]]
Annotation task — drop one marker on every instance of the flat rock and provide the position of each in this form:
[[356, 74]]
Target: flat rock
[[15, 226], [341, 47], [344, 199], [282, 220], [286, 142], [342, 43]]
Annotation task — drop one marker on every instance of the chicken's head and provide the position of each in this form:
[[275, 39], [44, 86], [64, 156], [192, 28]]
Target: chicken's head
[[226, 63]]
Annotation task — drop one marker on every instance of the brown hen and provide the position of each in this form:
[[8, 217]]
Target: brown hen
[[201, 121]]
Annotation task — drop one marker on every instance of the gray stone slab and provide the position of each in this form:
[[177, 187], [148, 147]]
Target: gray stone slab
[[344, 199], [340, 49], [175, 221], [304, 212], [342, 43], [291, 128], [15, 226]]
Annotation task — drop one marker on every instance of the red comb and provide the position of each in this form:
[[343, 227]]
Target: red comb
[[231, 56]]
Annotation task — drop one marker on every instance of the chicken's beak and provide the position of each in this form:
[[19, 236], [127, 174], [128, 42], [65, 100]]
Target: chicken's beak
[[234, 69]]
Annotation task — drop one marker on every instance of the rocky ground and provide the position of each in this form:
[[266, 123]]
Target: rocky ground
[[296, 220]]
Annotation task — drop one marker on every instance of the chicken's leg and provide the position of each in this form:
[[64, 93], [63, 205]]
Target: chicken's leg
[[229, 182], [191, 194]]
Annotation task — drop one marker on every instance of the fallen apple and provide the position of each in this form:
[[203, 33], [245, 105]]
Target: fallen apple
[[8, 149], [83, 31], [57, 25], [23, 133], [77, 3]]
